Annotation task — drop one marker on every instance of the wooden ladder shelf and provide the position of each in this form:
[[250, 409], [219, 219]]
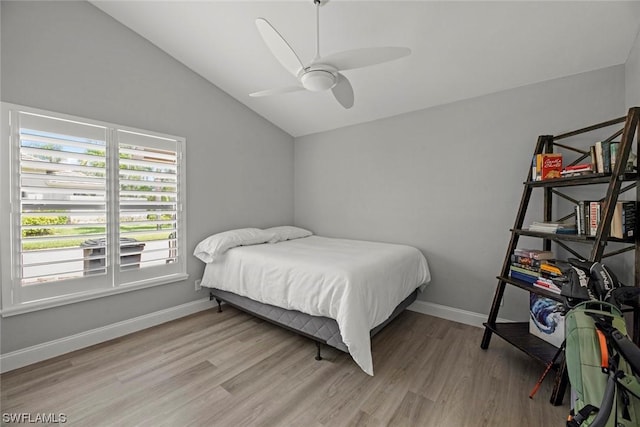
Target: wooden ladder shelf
[[517, 334]]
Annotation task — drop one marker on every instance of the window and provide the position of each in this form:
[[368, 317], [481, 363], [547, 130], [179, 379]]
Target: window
[[89, 208]]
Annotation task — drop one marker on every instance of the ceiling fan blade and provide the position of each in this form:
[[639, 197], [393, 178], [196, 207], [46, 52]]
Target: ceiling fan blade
[[364, 57], [343, 92], [279, 47], [276, 91]]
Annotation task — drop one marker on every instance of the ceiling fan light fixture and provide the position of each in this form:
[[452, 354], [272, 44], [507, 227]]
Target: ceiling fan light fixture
[[318, 80]]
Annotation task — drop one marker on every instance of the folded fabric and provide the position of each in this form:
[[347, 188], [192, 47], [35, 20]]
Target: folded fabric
[[217, 244]]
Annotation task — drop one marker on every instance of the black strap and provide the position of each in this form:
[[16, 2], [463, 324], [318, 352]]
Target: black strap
[[581, 416], [625, 402], [629, 351]]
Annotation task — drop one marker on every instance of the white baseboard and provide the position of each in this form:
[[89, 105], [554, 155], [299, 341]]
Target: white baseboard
[[37, 353], [450, 313]]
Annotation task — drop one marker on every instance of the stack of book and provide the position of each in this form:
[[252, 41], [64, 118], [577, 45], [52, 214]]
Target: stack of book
[[550, 275], [553, 227], [604, 156], [623, 221], [529, 275], [577, 170], [534, 267]]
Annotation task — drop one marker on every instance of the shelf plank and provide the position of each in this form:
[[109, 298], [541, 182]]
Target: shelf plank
[[529, 287], [594, 178], [517, 334], [581, 238]]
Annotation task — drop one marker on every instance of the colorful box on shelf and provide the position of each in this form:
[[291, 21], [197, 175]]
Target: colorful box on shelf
[[547, 166], [546, 319]]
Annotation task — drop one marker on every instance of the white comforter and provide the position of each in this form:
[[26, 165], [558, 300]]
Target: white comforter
[[357, 283]]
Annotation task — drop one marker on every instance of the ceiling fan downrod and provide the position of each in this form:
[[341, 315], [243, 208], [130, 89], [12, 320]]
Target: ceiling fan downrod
[[317, 3]]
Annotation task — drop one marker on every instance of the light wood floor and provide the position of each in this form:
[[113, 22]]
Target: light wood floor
[[229, 369]]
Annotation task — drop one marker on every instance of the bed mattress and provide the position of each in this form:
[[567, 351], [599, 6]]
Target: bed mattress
[[356, 283]]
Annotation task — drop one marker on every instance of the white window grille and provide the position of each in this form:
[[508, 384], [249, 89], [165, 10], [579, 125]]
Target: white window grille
[[90, 208]]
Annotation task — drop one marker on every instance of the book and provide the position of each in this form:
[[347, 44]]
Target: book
[[594, 159], [524, 277], [567, 174], [579, 167], [577, 170], [538, 167], [579, 219], [548, 166], [522, 260], [606, 157], [594, 217], [629, 219], [573, 230], [544, 227], [522, 270], [616, 222], [613, 149], [546, 319], [548, 285], [585, 208], [623, 222], [599, 165], [534, 253], [551, 269], [553, 227], [526, 269]]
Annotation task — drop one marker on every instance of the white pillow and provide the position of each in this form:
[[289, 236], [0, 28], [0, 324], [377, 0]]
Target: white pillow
[[217, 244], [287, 232]]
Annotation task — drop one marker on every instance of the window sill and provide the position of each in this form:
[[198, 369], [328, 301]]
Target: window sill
[[85, 296]]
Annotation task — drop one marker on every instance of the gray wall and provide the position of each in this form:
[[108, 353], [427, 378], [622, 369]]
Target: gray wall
[[447, 180], [632, 73], [72, 58]]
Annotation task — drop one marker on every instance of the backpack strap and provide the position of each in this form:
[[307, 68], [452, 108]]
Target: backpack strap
[[629, 384], [625, 403], [607, 403], [604, 351], [629, 351], [584, 413]]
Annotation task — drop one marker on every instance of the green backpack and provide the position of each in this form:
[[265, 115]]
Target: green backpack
[[603, 367]]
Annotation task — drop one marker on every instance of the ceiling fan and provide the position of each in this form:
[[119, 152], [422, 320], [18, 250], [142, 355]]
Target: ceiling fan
[[322, 73]]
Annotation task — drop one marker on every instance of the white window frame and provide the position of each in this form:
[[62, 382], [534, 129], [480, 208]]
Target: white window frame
[[13, 300]]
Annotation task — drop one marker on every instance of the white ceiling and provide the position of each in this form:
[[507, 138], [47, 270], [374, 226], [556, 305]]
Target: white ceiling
[[459, 49]]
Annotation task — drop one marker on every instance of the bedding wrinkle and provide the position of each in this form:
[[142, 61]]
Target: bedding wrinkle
[[357, 283]]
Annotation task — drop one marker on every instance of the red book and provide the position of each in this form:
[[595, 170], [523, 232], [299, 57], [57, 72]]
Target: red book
[[580, 167]]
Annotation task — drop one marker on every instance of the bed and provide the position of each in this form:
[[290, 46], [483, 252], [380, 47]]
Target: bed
[[337, 292]]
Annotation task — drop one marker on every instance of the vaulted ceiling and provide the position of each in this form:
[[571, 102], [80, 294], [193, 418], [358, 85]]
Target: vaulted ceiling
[[459, 49]]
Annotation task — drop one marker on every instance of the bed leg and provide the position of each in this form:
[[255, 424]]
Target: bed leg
[[219, 305], [318, 346]]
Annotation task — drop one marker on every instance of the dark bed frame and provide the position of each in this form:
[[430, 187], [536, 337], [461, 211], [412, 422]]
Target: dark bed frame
[[322, 330]]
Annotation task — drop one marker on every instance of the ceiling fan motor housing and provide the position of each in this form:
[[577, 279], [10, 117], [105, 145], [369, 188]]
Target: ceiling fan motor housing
[[318, 80]]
